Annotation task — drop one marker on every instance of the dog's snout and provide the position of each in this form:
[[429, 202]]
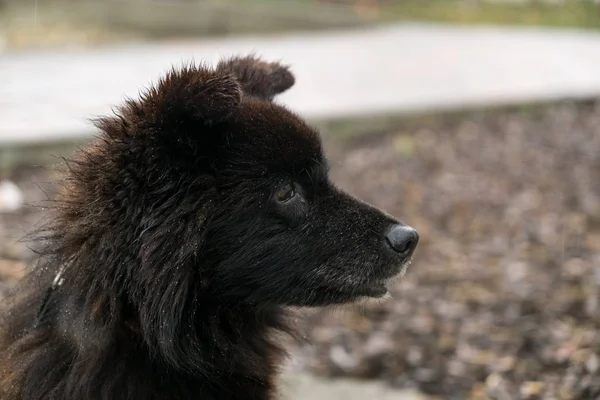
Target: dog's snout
[[402, 239]]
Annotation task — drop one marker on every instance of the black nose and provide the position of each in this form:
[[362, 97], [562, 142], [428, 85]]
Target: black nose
[[403, 239]]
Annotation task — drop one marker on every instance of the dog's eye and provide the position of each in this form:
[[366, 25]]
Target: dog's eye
[[286, 193]]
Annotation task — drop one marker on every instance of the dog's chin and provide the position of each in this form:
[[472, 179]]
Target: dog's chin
[[374, 290]]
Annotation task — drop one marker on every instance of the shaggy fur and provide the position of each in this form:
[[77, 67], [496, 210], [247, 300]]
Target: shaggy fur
[[202, 211]]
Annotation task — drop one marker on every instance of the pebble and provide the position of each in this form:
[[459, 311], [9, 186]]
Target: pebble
[[11, 197]]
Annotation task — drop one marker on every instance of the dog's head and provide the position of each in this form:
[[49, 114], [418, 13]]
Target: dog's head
[[202, 200], [217, 185]]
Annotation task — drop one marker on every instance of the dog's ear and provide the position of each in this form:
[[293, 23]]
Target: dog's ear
[[258, 78], [179, 110], [193, 93]]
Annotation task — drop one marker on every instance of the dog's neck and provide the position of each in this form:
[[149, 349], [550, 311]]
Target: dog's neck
[[236, 344]]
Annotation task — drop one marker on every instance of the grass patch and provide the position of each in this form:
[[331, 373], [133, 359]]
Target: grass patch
[[567, 13], [571, 13]]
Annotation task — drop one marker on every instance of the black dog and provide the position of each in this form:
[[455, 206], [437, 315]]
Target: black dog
[[201, 212]]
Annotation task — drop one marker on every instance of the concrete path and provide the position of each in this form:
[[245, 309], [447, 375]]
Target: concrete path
[[299, 386], [51, 95]]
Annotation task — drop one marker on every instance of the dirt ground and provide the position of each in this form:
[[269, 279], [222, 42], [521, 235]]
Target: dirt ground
[[502, 300]]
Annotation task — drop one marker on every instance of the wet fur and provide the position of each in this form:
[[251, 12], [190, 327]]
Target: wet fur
[[179, 263]]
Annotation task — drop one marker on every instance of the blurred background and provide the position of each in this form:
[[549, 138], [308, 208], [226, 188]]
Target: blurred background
[[474, 121]]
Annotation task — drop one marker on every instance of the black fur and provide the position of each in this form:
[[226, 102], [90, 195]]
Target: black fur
[[201, 212]]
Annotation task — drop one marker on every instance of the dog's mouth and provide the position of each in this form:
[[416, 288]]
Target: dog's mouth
[[379, 288]]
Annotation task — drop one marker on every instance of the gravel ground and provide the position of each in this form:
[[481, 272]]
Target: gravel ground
[[502, 300]]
